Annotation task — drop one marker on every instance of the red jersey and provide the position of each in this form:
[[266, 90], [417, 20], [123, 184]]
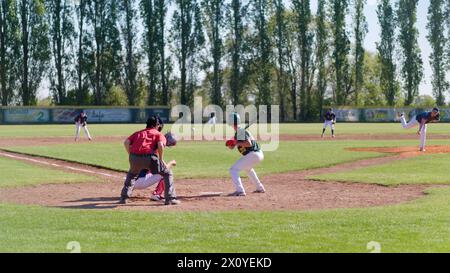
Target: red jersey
[[145, 142]]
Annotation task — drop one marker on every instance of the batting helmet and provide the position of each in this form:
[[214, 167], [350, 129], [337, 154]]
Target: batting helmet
[[234, 119]]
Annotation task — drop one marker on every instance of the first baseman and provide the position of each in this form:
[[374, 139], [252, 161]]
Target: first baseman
[[81, 121], [421, 120], [251, 156], [330, 121]]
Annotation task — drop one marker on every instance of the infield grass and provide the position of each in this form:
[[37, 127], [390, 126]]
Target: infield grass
[[209, 159], [212, 159], [420, 226], [425, 169], [16, 173]]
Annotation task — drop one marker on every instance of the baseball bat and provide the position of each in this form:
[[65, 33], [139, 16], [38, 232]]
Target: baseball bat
[[255, 120]]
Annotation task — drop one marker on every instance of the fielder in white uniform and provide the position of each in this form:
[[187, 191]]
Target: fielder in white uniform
[[251, 156], [212, 120], [81, 122], [421, 120]]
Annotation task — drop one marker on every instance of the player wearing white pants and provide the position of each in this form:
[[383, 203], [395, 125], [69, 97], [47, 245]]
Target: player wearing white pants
[[421, 120], [247, 163], [81, 122], [328, 123], [251, 156]]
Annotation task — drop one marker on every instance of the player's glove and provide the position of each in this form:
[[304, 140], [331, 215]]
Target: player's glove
[[84, 124], [231, 143], [171, 140]]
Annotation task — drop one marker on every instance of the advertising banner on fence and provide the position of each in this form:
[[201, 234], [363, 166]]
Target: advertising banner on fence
[[352, 115], [26, 115], [65, 115], [445, 115], [141, 115], [109, 115], [379, 114]]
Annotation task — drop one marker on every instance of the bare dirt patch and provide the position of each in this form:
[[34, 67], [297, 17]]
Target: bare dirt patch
[[288, 191]]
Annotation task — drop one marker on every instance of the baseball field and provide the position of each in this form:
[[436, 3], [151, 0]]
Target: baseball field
[[369, 186]]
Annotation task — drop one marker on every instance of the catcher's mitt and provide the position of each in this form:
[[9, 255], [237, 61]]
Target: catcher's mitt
[[171, 140]]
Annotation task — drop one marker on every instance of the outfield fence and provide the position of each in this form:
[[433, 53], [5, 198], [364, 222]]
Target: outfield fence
[[66, 115]]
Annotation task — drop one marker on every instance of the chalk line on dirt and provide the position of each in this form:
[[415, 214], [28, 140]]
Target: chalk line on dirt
[[43, 162]]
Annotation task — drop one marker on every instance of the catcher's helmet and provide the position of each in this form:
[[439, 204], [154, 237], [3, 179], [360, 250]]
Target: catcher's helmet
[[171, 139]]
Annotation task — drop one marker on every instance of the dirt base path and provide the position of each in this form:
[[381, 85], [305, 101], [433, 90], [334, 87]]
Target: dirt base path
[[288, 191]]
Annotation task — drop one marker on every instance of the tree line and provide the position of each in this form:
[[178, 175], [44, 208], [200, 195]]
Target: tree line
[[160, 52]]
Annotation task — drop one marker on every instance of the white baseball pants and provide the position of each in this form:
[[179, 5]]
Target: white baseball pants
[[85, 128], [414, 123], [146, 182], [247, 163], [328, 123]]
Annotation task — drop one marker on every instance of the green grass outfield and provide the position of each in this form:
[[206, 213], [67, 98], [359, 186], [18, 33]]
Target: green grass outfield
[[426, 169], [288, 129], [16, 173], [420, 226]]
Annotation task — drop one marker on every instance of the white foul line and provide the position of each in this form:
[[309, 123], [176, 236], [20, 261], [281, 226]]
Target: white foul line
[[57, 165]]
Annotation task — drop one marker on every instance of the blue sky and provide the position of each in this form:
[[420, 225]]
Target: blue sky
[[370, 41]]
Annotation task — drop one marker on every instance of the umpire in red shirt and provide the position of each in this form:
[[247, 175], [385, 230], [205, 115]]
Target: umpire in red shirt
[[146, 151]]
